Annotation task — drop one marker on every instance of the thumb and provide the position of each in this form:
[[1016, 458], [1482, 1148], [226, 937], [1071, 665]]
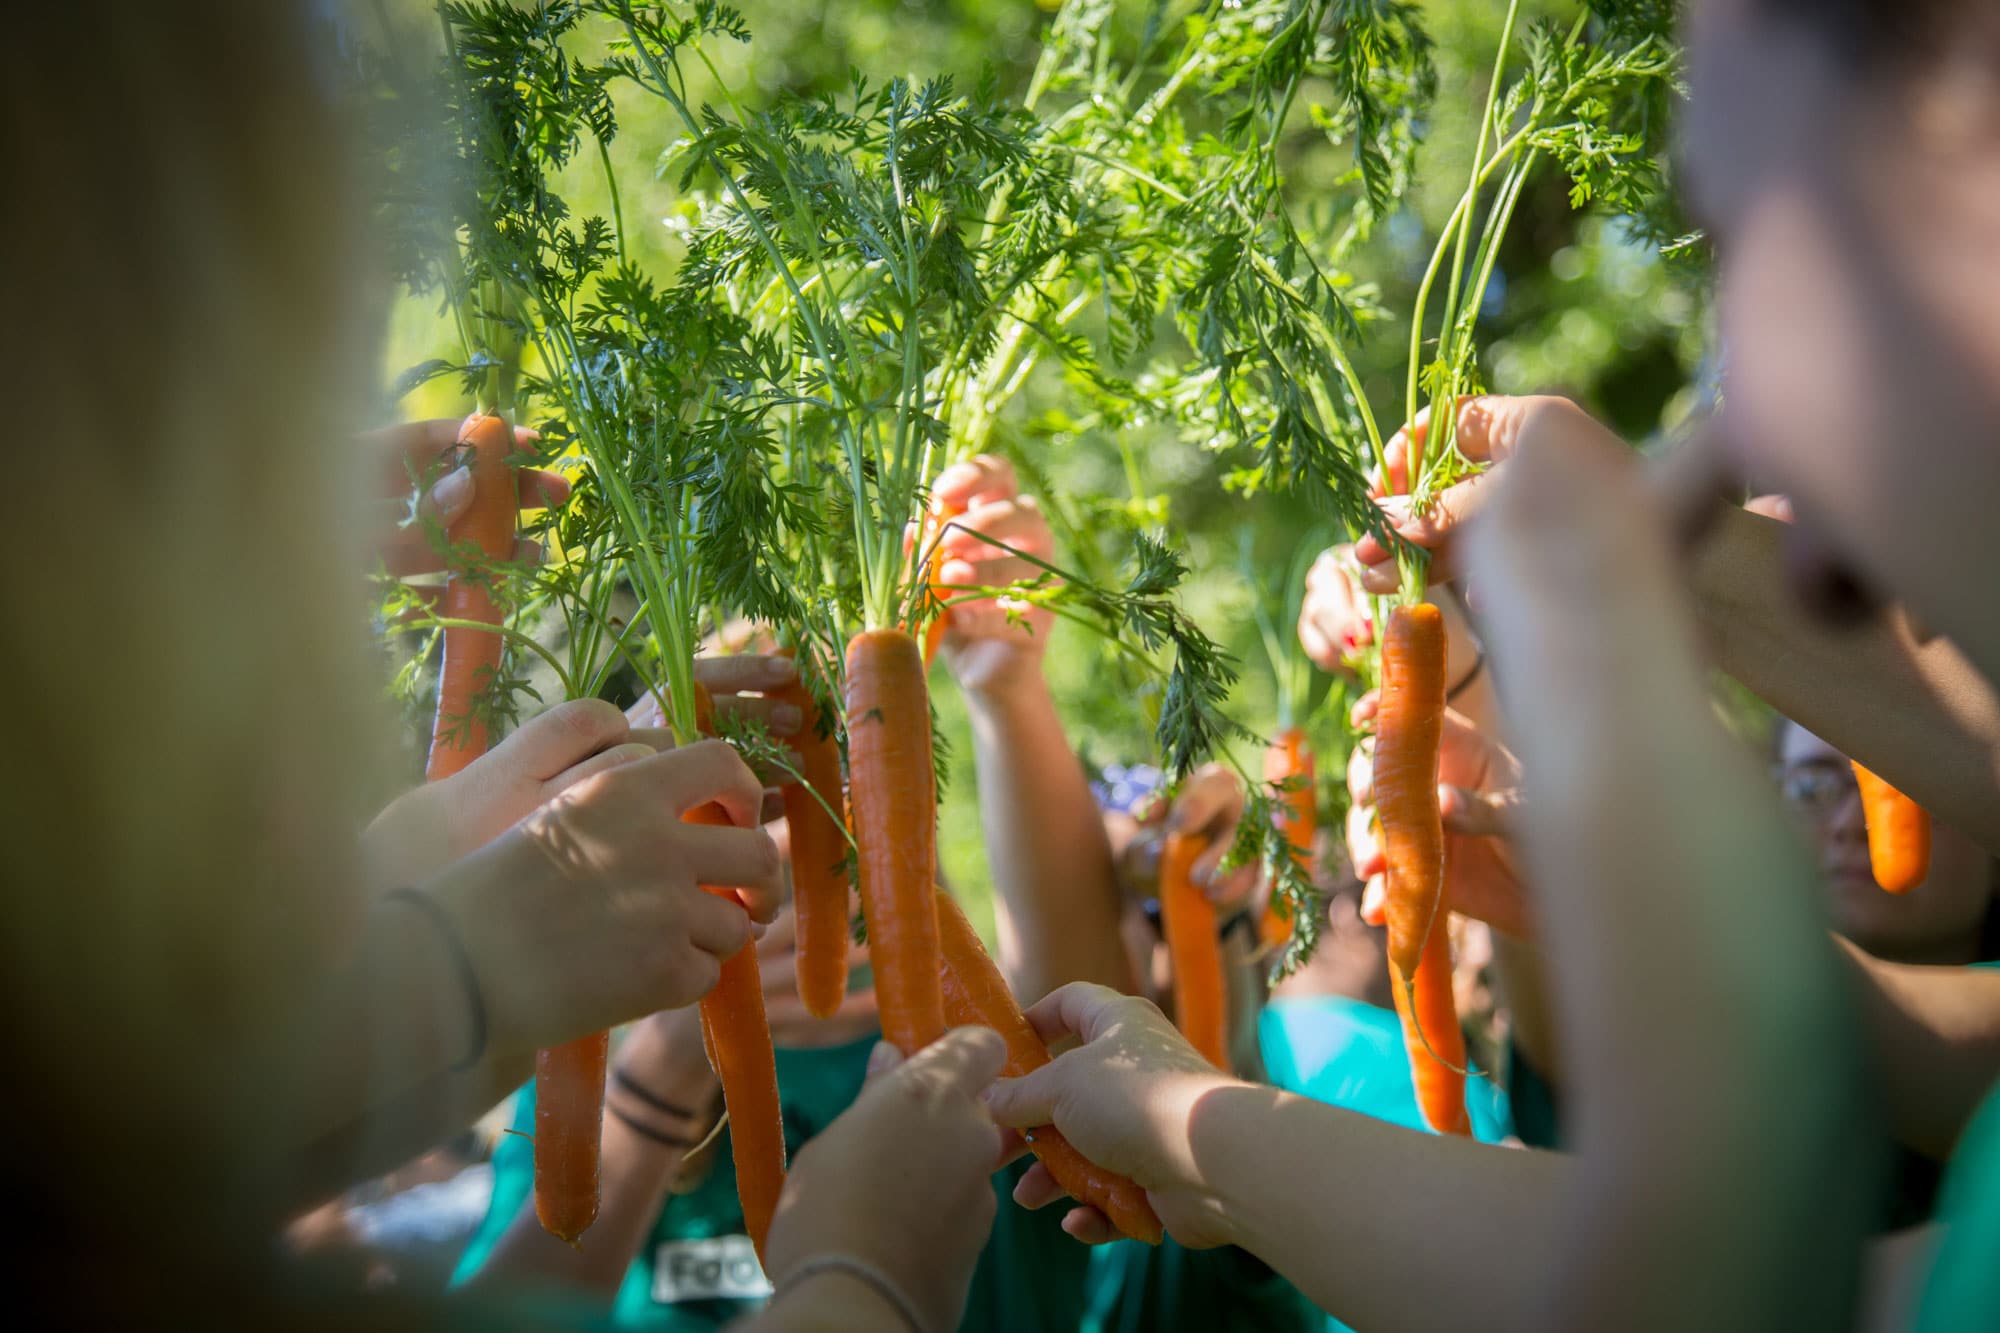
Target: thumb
[[1478, 814], [448, 500], [559, 739], [964, 1061], [1028, 1102]]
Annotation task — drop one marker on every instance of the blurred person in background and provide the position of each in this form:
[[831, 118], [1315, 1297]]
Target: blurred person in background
[[193, 929]]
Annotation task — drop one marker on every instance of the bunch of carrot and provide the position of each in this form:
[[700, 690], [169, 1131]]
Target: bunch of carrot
[[1289, 761], [1187, 919]]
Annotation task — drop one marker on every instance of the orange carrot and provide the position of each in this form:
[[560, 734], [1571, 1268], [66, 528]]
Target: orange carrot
[[472, 657], [941, 517], [893, 800], [569, 1118], [1290, 760], [739, 1040], [976, 993], [819, 861], [1432, 1036], [1899, 834], [1409, 723], [1188, 920]]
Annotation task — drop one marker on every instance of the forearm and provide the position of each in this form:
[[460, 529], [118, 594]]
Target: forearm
[[1933, 1034], [390, 1134], [1057, 890], [1383, 1227], [1920, 715]]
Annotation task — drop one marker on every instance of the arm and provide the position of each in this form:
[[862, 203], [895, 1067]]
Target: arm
[[1919, 714], [663, 1058], [1934, 1036], [1058, 898]]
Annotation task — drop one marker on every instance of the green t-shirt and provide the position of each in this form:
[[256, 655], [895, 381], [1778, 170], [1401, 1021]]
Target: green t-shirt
[[697, 1270], [1140, 1288], [1963, 1289]]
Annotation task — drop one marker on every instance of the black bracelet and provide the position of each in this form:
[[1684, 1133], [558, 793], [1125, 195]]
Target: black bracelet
[[1465, 683], [649, 1097], [646, 1131], [475, 999], [1240, 921]]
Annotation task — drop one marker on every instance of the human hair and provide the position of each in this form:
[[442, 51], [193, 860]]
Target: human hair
[[1891, 37], [185, 669]]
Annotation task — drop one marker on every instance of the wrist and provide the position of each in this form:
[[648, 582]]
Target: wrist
[[1019, 681], [834, 1292]]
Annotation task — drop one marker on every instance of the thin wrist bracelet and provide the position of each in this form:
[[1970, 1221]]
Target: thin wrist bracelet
[[869, 1275], [648, 1096], [468, 977], [1471, 674], [646, 1131]]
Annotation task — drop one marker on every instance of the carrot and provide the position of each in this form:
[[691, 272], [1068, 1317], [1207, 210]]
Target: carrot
[[1432, 1036], [819, 861], [1290, 760], [737, 1036], [472, 657], [1409, 723], [1899, 834], [569, 1119], [941, 517], [1188, 919], [976, 993], [739, 1042], [893, 801]]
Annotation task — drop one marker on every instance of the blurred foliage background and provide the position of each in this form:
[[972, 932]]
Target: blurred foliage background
[[1578, 306]]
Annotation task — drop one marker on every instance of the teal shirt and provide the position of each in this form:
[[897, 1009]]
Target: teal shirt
[[1963, 1288], [1350, 1054], [696, 1272]]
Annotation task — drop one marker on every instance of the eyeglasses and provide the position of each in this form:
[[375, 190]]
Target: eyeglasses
[[1817, 789]]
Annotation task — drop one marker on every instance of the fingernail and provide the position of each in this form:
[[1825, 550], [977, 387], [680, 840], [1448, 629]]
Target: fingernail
[[884, 1057], [787, 717], [453, 491]]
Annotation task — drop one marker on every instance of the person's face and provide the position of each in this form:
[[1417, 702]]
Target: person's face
[[1945, 910], [1860, 304]]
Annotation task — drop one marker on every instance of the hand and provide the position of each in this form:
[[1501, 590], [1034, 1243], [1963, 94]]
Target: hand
[[417, 449], [735, 684], [590, 912], [424, 830], [1490, 430], [1334, 621], [1209, 803], [1478, 793], [901, 1180], [1124, 1098], [990, 642]]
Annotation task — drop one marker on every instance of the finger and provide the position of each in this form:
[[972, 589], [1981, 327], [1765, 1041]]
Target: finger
[[1082, 1008], [1086, 1224], [716, 926], [780, 719], [1361, 774], [1013, 1147], [882, 1059], [1375, 901], [989, 530], [540, 489], [408, 550], [557, 740], [727, 857], [1209, 802], [1314, 641], [647, 711], [745, 673], [998, 573], [528, 551], [631, 752], [706, 771], [1478, 814], [1364, 848], [1365, 708], [964, 1061], [960, 486], [408, 448], [1037, 1188]]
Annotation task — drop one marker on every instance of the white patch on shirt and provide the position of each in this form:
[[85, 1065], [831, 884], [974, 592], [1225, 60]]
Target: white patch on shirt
[[709, 1268]]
